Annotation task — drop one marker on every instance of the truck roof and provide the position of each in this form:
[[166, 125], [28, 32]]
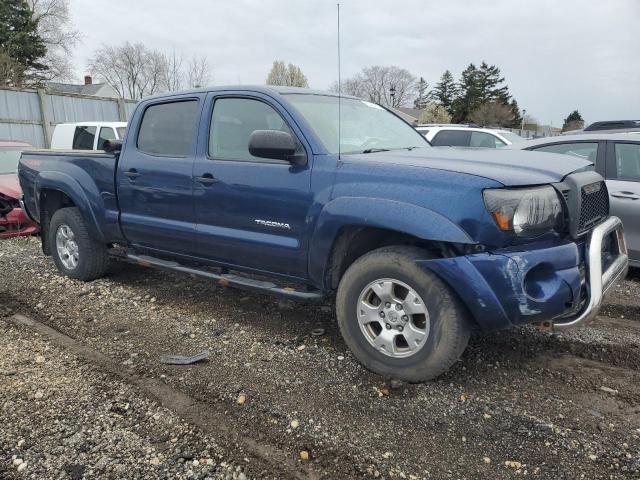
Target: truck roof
[[93, 124], [266, 89]]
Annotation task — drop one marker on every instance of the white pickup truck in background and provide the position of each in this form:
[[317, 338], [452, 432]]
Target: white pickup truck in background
[[86, 135]]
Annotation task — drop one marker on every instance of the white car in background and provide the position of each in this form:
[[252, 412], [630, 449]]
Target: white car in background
[[86, 135], [456, 135]]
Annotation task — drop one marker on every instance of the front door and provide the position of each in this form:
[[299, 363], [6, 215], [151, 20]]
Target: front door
[[154, 177], [623, 182], [251, 212]]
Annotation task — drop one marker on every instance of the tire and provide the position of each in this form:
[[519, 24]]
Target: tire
[[424, 345], [92, 259]]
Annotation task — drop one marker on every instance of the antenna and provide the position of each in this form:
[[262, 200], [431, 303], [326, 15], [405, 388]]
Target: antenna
[[339, 88]]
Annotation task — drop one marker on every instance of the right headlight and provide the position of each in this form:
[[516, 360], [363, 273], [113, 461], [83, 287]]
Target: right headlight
[[525, 212]]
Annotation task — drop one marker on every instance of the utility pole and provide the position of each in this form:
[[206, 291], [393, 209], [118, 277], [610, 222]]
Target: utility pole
[[524, 112]]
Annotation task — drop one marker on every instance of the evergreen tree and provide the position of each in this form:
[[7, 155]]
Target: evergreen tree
[[490, 85], [469, 98], [20, 44], [422, 98], [517, 116], [573, 122], [445, 91]]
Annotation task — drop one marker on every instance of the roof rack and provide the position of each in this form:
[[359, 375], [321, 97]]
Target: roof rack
[[612, 125], [447, 125]]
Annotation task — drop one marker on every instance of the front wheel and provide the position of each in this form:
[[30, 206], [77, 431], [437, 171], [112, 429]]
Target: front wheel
[[75, 253], [398, 319]]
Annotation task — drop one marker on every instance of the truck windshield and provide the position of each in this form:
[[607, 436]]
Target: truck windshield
[[9, 161], [365, 127]]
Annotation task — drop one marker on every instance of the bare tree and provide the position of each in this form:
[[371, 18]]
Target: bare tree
[[351, 86], [132, 70], [173, 75], [56, 29], [135, 71], [494, 114], [290, 75], [198, 72], [390, 86]]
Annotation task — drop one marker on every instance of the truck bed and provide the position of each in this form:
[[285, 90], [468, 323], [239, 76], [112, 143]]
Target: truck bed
[[89, 176]]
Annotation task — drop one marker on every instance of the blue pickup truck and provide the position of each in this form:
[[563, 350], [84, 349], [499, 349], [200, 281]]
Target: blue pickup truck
[[304, 194]]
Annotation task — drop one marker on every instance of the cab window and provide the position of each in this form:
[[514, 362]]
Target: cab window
[[451, 138], [233, 122], [485, 140], [168, 128], [106, 133], [83, 138]]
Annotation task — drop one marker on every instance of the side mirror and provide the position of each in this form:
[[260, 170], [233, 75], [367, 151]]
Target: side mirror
[[272, 144], [112, 146]]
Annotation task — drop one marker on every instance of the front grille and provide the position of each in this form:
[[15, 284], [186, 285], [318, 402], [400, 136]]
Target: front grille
[[594, 205]]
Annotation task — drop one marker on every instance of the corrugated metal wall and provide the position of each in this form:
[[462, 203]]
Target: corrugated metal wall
[[65, 109], [22, 116]]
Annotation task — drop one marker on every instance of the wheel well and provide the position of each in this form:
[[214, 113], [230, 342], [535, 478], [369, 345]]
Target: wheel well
[[50, 201], [354, 241]]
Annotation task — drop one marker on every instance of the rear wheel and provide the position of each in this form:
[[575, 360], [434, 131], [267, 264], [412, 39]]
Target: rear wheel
[[75, 253], [400, 320]]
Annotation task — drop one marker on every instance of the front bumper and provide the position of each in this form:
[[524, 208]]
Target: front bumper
[[559, 281], [600, 277]]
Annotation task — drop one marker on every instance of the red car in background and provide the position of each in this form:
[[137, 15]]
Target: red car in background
[[13, 220]]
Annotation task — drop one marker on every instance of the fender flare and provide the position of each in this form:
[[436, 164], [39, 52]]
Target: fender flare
[[87, 204], [379, 213]]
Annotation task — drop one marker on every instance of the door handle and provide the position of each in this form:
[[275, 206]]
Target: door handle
[[132, 173], [627, 195], [207, 179]]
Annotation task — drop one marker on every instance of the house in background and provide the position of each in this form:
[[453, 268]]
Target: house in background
[[409, 115], [89, 88]]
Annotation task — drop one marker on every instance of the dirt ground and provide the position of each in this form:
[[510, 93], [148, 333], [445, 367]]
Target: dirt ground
[[83, 392]]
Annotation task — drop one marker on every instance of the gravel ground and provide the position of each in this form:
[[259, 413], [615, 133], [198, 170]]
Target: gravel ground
[[275, 401]]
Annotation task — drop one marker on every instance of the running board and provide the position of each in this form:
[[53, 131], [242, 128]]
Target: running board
[[226, 279]]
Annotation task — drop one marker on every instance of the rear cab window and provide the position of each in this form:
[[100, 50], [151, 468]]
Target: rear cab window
[[168, 129]]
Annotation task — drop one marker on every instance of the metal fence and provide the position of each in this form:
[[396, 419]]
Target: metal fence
[[541, 132], [31, 115]]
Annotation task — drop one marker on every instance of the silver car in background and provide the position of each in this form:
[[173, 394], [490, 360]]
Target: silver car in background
[[617, 158]]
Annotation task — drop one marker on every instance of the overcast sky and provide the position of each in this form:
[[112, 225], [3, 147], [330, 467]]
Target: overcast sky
[[556, 56]]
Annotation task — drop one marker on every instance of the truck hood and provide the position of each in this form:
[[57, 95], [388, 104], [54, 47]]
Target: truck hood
[[508, 167]]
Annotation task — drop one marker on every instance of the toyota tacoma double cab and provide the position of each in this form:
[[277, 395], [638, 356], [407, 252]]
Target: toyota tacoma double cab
[[306, 194]]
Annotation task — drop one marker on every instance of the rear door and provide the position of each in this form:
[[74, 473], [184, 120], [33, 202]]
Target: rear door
[[154, 177], [251, 212], [623, 182]]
